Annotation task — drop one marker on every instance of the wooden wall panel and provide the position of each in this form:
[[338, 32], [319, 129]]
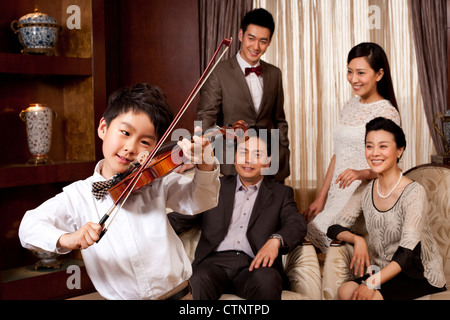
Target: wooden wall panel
[[159, 44]]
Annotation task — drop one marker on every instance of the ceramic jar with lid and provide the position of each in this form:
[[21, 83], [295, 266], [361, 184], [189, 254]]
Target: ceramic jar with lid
[[38, 32]]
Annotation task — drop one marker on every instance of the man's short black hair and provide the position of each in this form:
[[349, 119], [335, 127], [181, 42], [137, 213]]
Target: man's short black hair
[[263, 134], [259, 17]]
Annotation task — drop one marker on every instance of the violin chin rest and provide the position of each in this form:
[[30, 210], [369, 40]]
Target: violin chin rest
[[142, 157]]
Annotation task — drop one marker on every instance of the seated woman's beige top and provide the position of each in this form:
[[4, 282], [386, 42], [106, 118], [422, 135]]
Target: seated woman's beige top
[[405, 225]]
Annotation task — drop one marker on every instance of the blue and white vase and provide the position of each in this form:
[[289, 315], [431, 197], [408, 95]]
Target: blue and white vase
[[38, 119], [38, 33]]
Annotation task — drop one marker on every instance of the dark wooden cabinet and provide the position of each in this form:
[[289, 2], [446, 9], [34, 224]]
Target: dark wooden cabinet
[[120, 43]]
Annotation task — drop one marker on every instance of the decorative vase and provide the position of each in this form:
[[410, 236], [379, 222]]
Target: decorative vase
[[47, 259], [38, 33], [38, 119], [445, 133]]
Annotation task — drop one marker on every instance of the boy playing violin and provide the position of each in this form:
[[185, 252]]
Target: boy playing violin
[[140, 257]]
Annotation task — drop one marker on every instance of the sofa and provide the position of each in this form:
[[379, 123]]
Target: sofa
[[301, 266]]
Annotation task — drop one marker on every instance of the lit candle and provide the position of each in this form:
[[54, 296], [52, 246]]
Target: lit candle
[[36, 106]]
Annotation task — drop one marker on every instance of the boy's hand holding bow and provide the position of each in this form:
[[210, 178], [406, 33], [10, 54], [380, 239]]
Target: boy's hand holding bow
[[83, 238]]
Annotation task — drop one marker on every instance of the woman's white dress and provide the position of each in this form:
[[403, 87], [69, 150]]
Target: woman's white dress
[[348, 139]]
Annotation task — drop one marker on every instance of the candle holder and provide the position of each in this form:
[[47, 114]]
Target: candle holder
[[38, 119]]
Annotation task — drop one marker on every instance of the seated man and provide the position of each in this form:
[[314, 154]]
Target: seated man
[[256, 219]]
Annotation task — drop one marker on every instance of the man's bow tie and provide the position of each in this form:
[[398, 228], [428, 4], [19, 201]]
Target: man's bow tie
[[100, 188], [257, 70]]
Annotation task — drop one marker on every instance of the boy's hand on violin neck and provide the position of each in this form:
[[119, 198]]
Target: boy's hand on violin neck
[[198, 151], [83, 238]]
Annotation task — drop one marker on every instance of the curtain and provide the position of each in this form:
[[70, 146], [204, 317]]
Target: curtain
[[220, 19], [429, 25], [310, 45]]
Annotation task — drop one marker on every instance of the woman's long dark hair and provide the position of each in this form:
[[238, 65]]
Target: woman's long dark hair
[[377, 59]]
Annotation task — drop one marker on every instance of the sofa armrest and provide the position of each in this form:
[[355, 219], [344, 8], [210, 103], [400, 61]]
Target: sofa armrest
[[190, 240], [302, 268]]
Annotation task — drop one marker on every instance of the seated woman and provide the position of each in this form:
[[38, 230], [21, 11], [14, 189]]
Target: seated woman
[[401, 245]]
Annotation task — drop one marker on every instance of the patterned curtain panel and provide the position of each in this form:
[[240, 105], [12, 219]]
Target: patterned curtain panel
[[429, 25], [220, 19]]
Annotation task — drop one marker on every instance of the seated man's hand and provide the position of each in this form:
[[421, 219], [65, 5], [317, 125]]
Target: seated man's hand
[[266, 255]]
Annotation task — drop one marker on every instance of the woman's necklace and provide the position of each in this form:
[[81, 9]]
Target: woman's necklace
[[389, 194]]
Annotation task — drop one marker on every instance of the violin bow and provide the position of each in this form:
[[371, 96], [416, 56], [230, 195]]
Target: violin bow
[[111, 213]]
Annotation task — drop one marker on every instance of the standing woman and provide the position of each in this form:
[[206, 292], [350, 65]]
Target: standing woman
[[370, 77], [395, 210]]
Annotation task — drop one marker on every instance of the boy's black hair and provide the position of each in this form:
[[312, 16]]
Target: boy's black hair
[[388, 125], [259, 17], [141, 98]]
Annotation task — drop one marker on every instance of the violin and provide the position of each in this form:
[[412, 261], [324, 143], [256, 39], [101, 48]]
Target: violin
[[145, 174], [166, 162]]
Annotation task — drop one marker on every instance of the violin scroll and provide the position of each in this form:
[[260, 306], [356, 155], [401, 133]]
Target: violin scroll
[[230, 132], [240, 127]]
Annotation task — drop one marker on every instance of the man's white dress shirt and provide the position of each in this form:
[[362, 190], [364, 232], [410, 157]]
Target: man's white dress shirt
[[254, 82]]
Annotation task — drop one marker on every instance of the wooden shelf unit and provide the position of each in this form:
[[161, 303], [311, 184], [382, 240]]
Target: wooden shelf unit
[[25, 283], [73, 84], [27, 175], [44, 65]]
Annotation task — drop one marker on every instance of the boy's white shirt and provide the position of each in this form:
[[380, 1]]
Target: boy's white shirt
[[140, 257]]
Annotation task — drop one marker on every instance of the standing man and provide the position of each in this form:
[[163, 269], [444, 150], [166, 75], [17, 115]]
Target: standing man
[[246, 88], [243, 239]]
